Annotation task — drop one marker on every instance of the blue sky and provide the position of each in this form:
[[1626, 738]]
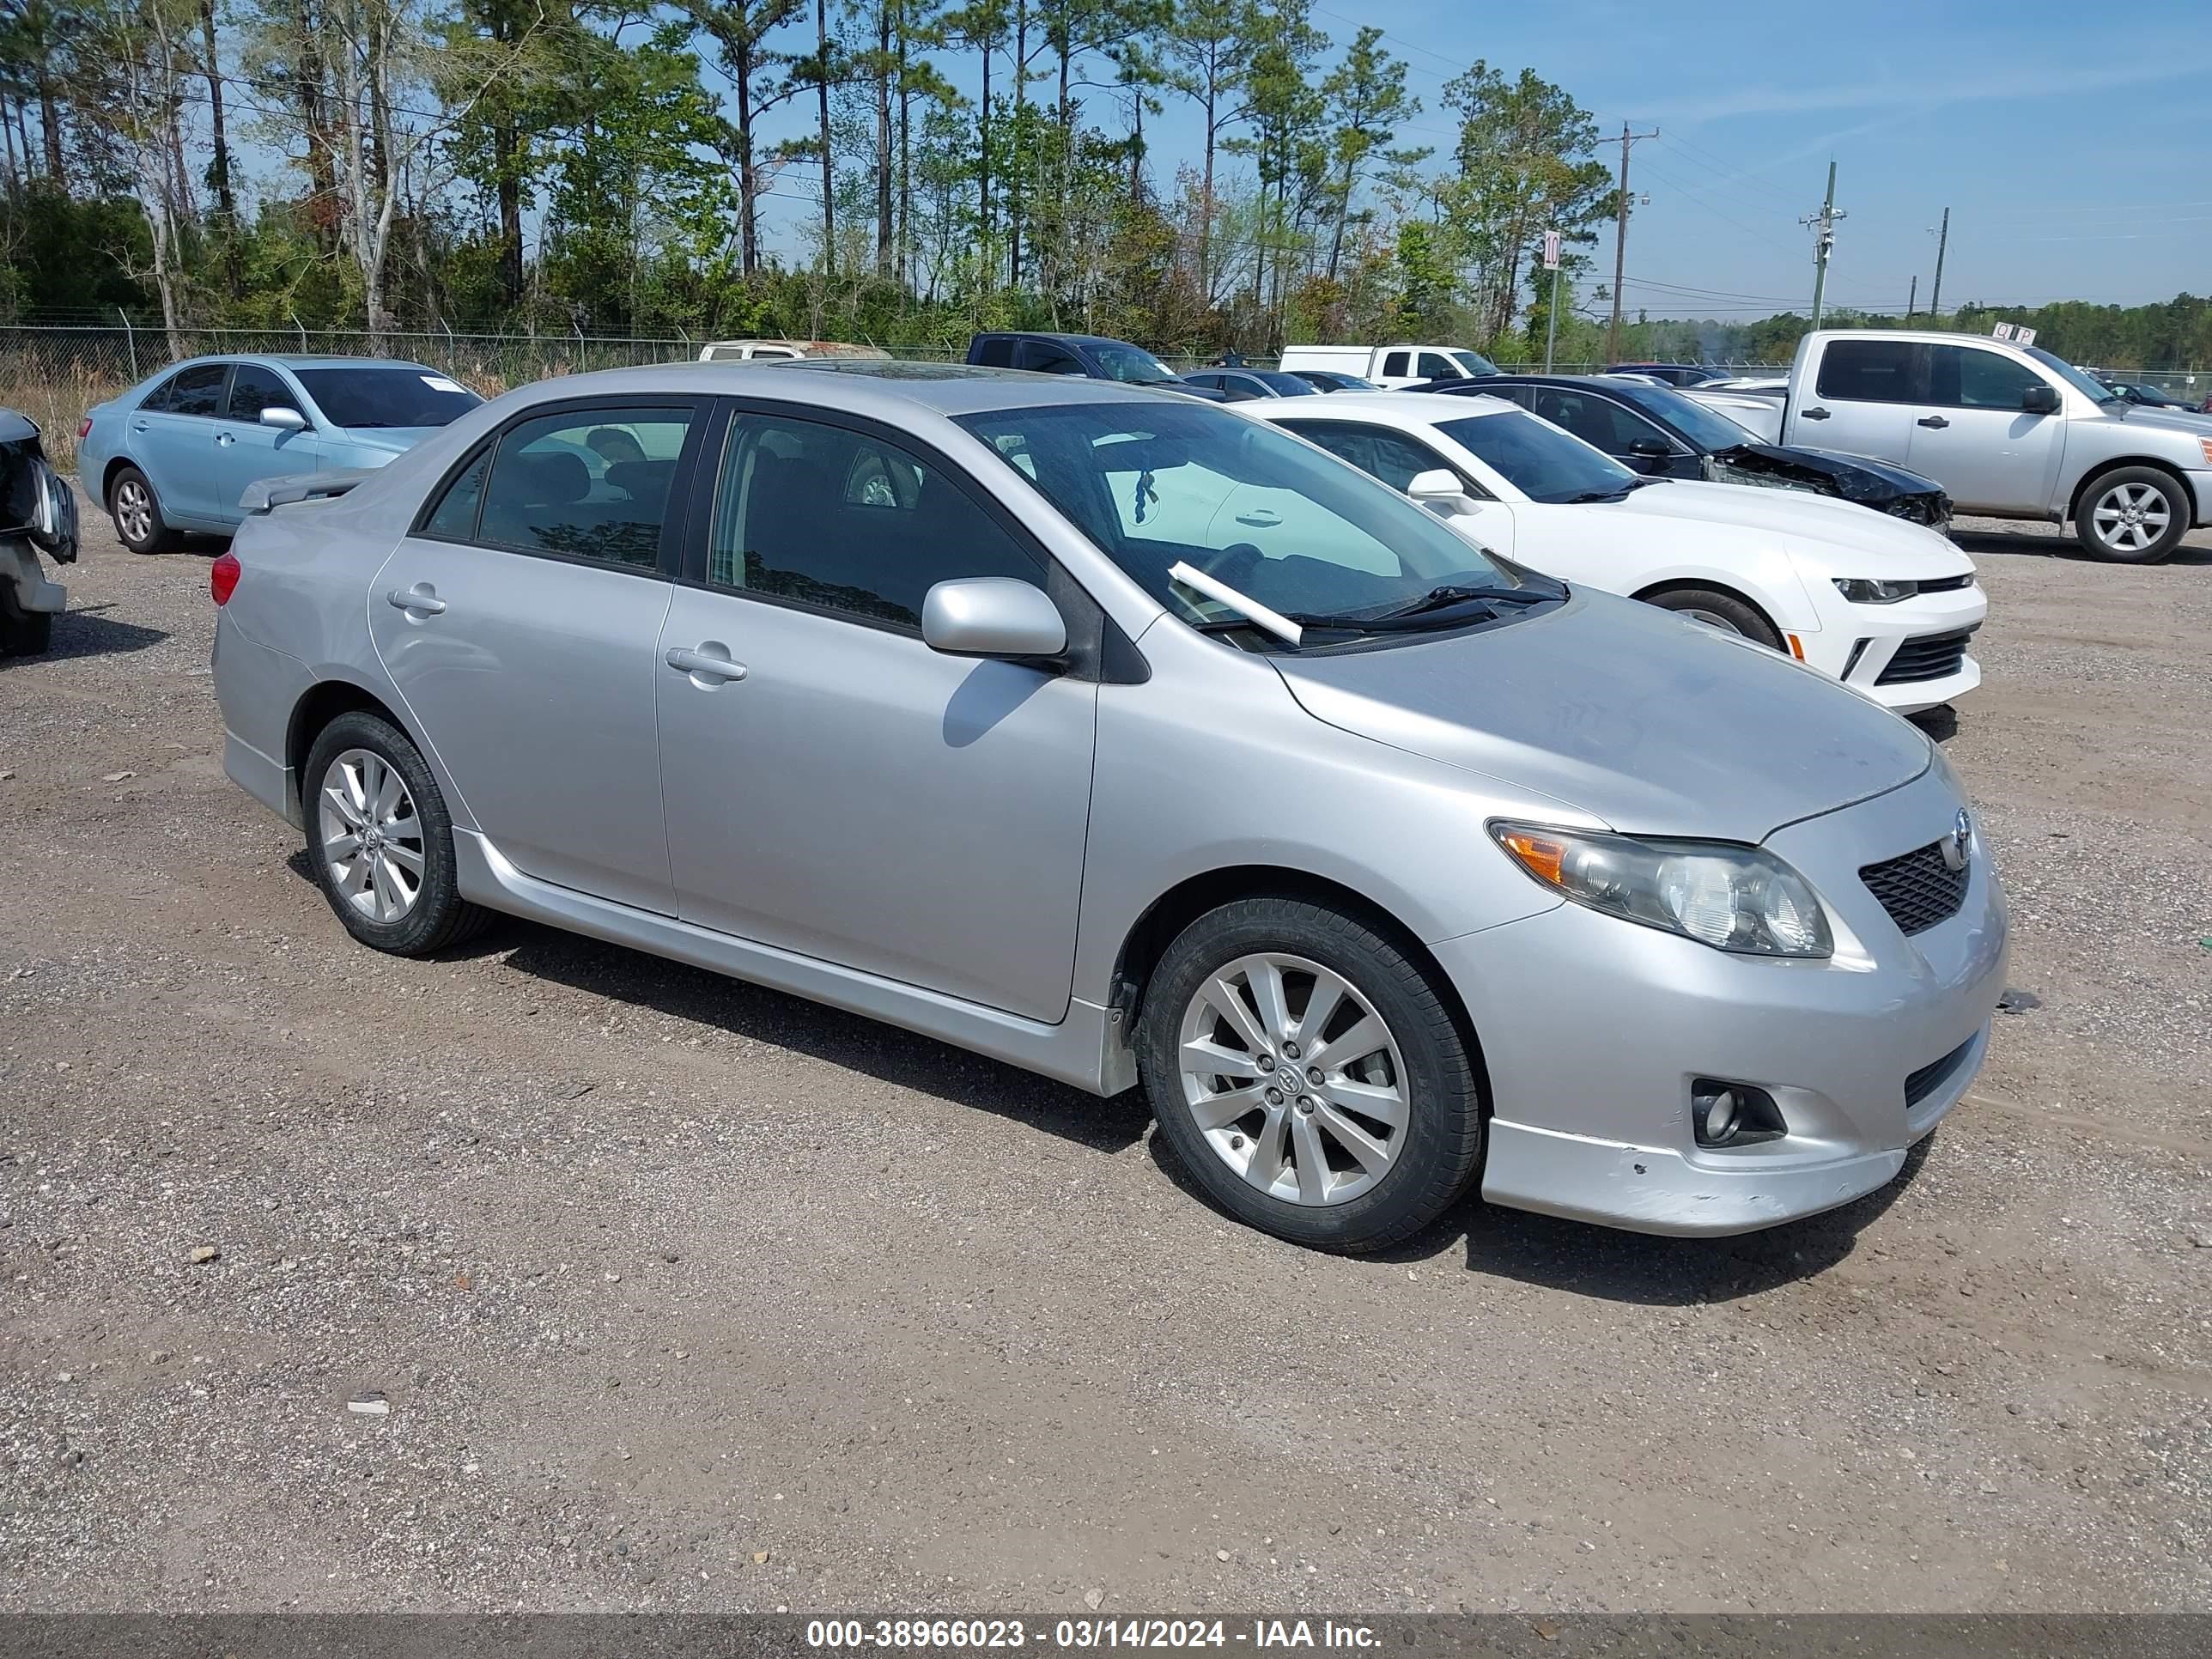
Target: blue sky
[[2072, 142]]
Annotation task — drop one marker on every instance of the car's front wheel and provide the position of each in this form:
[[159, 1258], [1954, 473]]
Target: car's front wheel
[[2132, 515], [1309, 1075], [136, 511], [380, 840], [22, 633], [1716, 609]]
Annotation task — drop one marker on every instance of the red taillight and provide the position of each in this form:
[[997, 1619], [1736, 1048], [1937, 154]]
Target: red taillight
[[223, 577], [84, 428]]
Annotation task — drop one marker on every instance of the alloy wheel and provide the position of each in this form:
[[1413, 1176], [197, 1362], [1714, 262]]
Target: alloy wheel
[[1293, 1079], [2131, 517], [134, 511], [371, 838]]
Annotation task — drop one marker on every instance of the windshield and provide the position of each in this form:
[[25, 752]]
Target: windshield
[[1269, 516], [1127, 362], [1541, 461], [1701, 426], [1473, 362], [406, 395], [2094, 390]]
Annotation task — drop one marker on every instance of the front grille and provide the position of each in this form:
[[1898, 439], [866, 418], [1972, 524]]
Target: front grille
[[1918, 888], [1947, 584], [1928, 657], [1919, 1085]]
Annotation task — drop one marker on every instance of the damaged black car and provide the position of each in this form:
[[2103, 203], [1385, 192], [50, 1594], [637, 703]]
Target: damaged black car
[[38, 514], [1656, 431]]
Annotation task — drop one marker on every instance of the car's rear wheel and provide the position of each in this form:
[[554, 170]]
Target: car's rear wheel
[[136, 511], [1715, 609], [1309, 1075], [380, 840], [2132, 515]]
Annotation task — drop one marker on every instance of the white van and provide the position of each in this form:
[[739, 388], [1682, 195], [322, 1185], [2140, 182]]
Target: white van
[[1391, 366]]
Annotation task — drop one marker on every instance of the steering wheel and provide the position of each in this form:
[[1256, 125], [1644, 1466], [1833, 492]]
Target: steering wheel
[[1233, 564]]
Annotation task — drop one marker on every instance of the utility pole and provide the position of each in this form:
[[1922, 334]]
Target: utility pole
[[1935, 293], [1620, 240], [1914, 298], [1824, 241]]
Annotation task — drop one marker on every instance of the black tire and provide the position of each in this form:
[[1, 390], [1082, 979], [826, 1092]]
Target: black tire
[[157, 537], [438, 917], [22, 633], [1714, 608], [2179, 509], [1443, 1138]]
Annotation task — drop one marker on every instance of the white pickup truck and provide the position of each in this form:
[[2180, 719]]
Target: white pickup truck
[[2010, 431], [1391, 366]]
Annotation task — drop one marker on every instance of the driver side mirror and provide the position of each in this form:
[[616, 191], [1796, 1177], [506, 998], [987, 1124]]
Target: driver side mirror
[[284, 420], [2040, 399], [1441, 491], [1650, 449], [999, 617]]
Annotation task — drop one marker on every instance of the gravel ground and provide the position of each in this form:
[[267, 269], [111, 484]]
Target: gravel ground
[[685, 1295]]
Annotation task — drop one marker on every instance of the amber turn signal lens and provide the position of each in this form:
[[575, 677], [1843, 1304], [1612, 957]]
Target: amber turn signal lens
[[1542, 856]]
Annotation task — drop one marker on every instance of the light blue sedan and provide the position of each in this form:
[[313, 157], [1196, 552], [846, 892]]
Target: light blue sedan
[[176, 452]]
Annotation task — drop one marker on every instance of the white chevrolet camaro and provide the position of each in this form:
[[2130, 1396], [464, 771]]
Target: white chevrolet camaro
[[1888, 608]]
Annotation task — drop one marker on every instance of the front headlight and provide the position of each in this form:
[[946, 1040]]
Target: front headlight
[[1732, 897], [1860, 591]]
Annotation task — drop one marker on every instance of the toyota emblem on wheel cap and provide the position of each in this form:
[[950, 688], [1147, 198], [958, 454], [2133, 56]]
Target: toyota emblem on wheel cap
[[1955, 844]]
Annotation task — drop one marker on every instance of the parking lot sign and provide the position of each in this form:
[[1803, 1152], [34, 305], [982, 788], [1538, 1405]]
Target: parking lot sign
[[1551, 250]]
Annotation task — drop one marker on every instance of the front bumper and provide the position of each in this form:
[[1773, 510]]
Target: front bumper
[[1593, 1030], [2200, 485], [1858, 643]]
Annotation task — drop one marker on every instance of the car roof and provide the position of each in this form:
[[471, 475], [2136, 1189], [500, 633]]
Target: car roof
[[1046, 334], [1423, 406], [886, 388], [302, 360]]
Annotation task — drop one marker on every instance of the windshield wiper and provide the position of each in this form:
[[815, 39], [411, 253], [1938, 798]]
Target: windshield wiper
[[1430, 610]]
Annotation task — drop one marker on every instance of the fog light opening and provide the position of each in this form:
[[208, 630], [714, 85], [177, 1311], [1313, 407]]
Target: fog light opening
[[1725, 1114]]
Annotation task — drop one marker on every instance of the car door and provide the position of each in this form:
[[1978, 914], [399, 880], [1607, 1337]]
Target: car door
[[173, 444], [520, 621], [1637, 441], [840, 790], [1863, 400], [1973, 437], [242, 449]]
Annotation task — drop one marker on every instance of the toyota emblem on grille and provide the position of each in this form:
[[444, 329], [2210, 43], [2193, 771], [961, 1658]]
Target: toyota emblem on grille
[[1956, 844]]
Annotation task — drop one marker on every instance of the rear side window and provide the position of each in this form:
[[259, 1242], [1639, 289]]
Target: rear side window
[[454, 518], [1872, 370], [197, 390], [584, 484], [996, 352], [1394, 362], [253, 389], [1392, 457], [1966, 377], [847, 521]]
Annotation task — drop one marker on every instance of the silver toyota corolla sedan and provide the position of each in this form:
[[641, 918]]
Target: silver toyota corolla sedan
[[1123, 738]]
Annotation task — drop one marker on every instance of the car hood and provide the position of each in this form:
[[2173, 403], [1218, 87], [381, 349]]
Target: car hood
[[392, 440], [1860, 478], [1827, 531], [1653, 725], [2165, 420]]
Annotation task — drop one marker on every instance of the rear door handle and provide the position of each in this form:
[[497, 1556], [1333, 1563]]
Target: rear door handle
[[139, 426], [1262, 518], [711, 661], [1933, 421], [420, 598], [225, 440], [1816, 414]]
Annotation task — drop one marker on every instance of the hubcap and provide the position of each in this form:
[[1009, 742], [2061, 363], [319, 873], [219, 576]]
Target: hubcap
[[2130, 517], [371, 840], [1293, 1079], [134, 512]]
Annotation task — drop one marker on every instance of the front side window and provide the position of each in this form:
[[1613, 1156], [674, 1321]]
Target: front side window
[[846, 520], [585, 484], [1873, 371], [1236, 499], [1704, 427], [1543, 464], [253, 389], [1125, 363], [1435, 366], [1377, 451], [1966, 377], [197, 390], [1282, 385], [401, 396], [1047, 357], [1595, 419]]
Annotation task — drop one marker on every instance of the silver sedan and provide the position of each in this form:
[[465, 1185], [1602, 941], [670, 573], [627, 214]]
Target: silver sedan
[[1132, 742]]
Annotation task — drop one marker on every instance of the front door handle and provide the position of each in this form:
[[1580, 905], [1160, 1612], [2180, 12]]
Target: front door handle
[[1816, 414], [1261, 518], [710, 661], [1934, 422], [422, 597], [225, 440]]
